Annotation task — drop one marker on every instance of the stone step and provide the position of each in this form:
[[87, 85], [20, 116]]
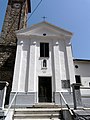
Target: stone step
[[37, 113], [46, 105], [38, 119], [83, 114], [25, 110]]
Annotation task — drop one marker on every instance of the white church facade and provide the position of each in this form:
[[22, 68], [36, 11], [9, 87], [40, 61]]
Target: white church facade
[[43, 63], [44, 66], [48, 83]]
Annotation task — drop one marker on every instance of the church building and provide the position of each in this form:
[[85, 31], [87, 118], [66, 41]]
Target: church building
[[44, 64]]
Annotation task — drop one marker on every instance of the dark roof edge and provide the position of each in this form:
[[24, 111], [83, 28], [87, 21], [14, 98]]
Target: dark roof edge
[[82, 60], [29, 6]]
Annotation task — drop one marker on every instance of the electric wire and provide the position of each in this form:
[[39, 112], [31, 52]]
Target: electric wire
[[34, 10], [4, 38]]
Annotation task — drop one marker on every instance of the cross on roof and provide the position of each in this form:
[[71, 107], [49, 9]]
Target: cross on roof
[[44, 17]]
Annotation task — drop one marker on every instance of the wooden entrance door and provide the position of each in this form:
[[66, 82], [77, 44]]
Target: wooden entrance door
[[45, 89]]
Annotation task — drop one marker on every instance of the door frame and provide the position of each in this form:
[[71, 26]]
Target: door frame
[[51, 88]]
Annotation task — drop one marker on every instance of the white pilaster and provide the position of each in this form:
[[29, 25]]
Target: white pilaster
[[17, 67], [19, 80], [57, 66], [32, 67], [23, 72], [62, 60], [70, 62]]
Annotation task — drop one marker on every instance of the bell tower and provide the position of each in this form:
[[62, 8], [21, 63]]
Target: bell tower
[[15, 19]]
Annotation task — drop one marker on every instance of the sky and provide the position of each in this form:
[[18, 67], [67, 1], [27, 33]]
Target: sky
[[72, 15]]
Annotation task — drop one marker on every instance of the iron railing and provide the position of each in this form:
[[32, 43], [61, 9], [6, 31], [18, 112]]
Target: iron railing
[[3, 86], [10, 105], [69, 109]]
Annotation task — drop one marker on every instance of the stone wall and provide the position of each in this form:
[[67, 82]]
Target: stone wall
[[7, 59], [14, 20]]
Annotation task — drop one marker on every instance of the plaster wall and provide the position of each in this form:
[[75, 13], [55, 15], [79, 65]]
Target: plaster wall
[[84, 71], [55, 69], [28, 65]]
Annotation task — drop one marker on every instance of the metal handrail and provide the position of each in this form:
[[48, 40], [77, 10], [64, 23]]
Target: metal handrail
[[11, 104], [4, 95], [4, 82], [71, 111]]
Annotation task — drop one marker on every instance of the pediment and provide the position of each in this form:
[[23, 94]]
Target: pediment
[[44, 28]]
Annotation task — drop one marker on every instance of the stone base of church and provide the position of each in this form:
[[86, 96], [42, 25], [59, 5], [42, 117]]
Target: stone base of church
[[68, 97], [30, 99], [23, 99]]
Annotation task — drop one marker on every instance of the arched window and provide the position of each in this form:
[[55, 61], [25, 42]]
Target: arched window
[[44, 63]]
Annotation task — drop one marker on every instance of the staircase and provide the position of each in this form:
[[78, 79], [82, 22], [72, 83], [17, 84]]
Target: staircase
[[82, 114], [38, 112]]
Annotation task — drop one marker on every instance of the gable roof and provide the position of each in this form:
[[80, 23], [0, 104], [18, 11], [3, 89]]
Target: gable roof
[[44, 25]]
